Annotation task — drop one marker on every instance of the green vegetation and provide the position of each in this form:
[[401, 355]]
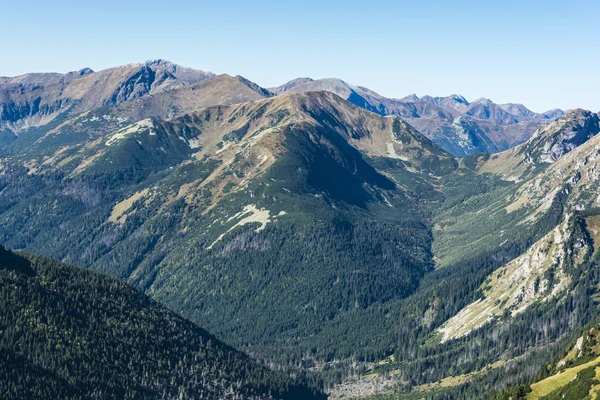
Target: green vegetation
[[573, 383], [312, 235], [69, 333]]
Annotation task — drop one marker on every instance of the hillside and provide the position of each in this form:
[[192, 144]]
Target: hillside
[[573, 373], [229, 187], [70, 333], [516, 276]]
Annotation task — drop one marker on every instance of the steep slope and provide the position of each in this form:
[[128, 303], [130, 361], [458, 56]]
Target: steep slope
[[546, 146], [562, 136], [37, 99], [529, 183], [223, 213], [523, 251], [573, 373], [536, 276], [70, 333]]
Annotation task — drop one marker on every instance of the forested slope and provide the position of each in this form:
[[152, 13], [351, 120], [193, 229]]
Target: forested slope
[[71, 333]]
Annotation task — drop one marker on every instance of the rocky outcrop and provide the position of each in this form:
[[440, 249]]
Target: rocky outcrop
[[537, 275], [560, 137]]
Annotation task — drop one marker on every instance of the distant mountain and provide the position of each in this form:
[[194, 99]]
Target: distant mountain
[[37, 99], [553, 114], [289, 86], [491, 127], [520, 111], [454, 101], [71, 333], [362, 97], [486, 109], [222, 89], [50, 78]]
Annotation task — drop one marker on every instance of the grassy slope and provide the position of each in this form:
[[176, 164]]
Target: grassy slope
[[552, 383]]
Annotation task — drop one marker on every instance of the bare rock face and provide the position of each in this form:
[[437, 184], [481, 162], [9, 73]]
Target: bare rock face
[[564, 135]]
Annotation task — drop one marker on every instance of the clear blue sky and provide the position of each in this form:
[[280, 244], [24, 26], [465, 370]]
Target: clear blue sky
[[544, 54]]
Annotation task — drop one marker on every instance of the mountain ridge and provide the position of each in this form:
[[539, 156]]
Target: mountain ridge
[[30, 102], [435, 116]]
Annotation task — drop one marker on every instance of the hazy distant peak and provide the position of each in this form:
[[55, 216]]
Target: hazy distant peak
[[554, 113], [518, 110], [458, 98], [290, 85], [334, 85], [409, 98], [482, 100], [262, 91], [334, 82]]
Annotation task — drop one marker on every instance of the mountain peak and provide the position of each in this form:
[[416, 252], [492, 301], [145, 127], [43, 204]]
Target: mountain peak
[[553, 114], [562, 135], [410, 98], [290, 85], [186, 75], [459, 98], [85, 71], [158, 62], [482, 100], [262, 91]]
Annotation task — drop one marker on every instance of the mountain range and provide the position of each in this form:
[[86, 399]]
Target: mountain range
[[414, 248], [454, 124], [165, 90]]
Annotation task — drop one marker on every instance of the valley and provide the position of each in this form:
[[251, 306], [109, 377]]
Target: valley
[[396, 248]]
